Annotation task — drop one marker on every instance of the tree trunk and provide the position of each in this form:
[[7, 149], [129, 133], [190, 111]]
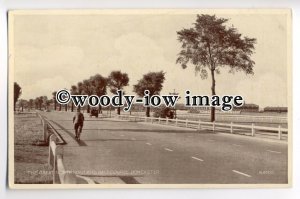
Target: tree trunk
[[213, 92], [119, 110], [88, 108], [100, 109], [55, 105], [59, 107], [147, 111], [72, 106], [66, 107]]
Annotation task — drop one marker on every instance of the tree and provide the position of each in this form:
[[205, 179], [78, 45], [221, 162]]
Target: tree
[[23, 104], [152, 81], [87, 90], [54, 99], [17, 93], [30, 103], [45, 102], [210, 45], [73, 92], [99, 84], [116, 81], [36, 103]]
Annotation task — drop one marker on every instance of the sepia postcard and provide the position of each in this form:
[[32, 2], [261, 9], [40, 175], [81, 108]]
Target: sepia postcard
[[145, 98]]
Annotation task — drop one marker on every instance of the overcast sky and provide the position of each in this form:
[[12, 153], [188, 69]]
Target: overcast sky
[[52, 52]]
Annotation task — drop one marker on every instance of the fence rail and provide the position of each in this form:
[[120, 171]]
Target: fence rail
[[55, 158], [214, 126], [47, 126]]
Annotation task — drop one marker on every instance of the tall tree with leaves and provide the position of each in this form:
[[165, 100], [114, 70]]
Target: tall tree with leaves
[[117, 81], [74, 91], [88, 89], [152, 81], [17, 93], [54, 99], [23, 104], [210, 45], [30, 103], [99, 84]]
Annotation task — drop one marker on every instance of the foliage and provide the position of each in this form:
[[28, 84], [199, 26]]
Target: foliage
[[17, 93], [210, 45]]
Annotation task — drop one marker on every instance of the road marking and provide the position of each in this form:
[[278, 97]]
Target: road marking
[[211, 140], [195, 158], [236, 144], [148, 143], [122, 135], [273, 151], [241, 173], [167, 149], [133, 138]]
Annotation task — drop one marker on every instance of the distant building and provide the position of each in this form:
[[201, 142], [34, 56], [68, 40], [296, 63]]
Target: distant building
[[276, 109], [247, 108]]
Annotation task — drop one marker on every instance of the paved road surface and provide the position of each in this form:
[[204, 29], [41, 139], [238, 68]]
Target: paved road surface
[[114, 152]]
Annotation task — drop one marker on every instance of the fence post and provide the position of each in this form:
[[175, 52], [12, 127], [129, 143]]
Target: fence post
[[252, 130], [199, 126], [231, 127], [279, 132], [176, 121], [58, 155], [214, 126], [186, 123], [167, 121], [51, 153], [151, 120], [158, 120], [45, 130]]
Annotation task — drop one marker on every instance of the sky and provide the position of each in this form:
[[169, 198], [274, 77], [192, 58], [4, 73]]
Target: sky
[[55, 51]]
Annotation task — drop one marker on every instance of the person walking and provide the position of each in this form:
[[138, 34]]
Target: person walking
[[78, 120]]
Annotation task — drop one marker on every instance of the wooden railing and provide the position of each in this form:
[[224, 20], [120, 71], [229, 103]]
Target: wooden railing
[[230, 127], [55, 158]]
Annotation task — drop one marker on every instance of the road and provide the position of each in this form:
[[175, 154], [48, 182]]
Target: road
[[118, 152]]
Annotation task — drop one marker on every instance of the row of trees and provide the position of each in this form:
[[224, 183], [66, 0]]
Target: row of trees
[[98, 85]]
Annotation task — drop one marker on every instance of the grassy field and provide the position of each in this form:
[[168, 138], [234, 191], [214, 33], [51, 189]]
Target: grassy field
[[31, 165]]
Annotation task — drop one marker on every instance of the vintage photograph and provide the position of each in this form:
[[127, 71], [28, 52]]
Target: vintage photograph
[[56, 55]]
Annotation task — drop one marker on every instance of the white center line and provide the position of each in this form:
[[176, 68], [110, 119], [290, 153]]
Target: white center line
[[122, 135], [195, 158], [211, 140], [133, 138], [241, 173], [148, 143], [236, 144], [167, 149], [273, 151]]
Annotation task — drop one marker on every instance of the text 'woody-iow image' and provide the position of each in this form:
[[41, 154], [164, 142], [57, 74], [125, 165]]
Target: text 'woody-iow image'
[[150, 98]]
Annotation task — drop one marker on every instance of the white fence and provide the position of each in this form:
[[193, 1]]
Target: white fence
[[238, 118], [214, 126], [48, 129], [55, 158]]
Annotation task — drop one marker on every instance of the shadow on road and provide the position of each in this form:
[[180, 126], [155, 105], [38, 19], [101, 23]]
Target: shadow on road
[[81, 143]]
